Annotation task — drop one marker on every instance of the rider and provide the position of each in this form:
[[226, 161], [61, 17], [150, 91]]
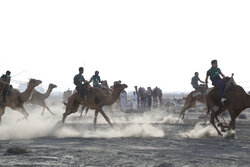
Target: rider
[[194, 82], [6, 78], [78, 79], [214, 73], [96, 80]]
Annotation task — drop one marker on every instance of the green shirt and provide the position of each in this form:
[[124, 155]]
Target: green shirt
[[6, 78], [96, 79], [214, 74], [78, 79], [195, 80]]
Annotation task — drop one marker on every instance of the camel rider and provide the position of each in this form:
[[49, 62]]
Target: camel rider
[[96, 80], [214, 73], [6, 78], [78, 79], [195, 84]]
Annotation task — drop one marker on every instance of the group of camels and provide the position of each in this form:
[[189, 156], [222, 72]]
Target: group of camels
[[237, 101], [96, 98], [16, 99]]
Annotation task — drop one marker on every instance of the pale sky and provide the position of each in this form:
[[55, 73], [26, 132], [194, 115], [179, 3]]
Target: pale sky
[[140, 42]]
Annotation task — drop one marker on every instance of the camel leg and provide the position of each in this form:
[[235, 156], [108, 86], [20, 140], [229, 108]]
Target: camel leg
[[186, 106], [87, 109], [160, 98], [213, 115], [95, 119], [233, 115], [105, 116], [82, 111], [49, 110], [207, 117], [111, 112], [223, 119], [2, 111], [183, 112], [232, 123], [208, 111], [69, 111], [23, 111], [43, 111], [190, 102]]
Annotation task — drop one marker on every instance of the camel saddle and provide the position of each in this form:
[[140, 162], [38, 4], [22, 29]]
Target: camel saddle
[[200, 90]]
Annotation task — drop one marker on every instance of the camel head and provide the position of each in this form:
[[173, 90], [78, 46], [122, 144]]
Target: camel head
[[105, 83], [119, 87], [33, 82], [52, 86]]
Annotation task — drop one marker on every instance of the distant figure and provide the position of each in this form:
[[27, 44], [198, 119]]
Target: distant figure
[[142, 93], [157, 94], [214, 73], [6, 78], [78, 79], [96, 80], [149, 97], [123, 99], [195, 84], [134, 101]]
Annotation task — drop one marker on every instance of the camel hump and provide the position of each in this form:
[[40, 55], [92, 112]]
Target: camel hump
[[226, 79]]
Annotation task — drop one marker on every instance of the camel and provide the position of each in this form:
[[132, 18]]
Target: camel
[[95, 99], [38, 98], [190, 101], [107, 91], [237, 101], [16, 99], [157, 93]]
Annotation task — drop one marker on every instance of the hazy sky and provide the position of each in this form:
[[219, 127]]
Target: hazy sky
[[144, 43]]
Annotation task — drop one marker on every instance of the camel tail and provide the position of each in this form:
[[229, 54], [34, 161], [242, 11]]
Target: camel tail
[[64, 103]]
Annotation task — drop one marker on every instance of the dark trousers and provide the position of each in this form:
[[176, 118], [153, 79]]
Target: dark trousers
[[221, 86], [82, 90], [4, 94]]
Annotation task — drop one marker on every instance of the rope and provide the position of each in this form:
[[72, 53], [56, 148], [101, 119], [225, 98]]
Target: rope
[[20, 73], [19, 82]]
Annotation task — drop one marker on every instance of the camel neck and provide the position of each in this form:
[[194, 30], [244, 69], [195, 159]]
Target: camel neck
[[111, 99], [116, 95], [26, 94], [48, 92]]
